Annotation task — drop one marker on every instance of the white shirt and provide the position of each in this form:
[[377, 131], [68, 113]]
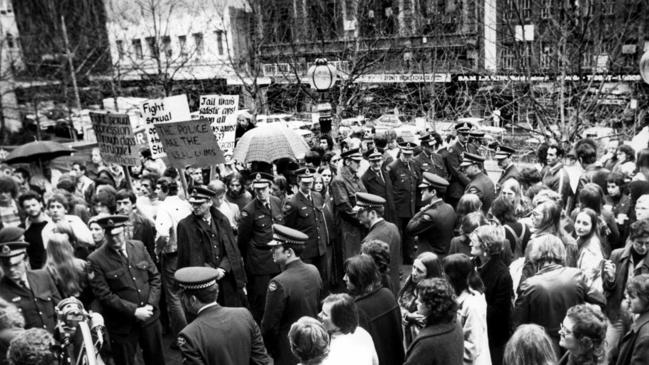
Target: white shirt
[[352, 349], [472, 314], [79, 228], [231, 211], [171, 211]]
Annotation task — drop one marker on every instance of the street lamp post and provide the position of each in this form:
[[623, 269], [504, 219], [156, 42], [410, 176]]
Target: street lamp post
[[322, 76]]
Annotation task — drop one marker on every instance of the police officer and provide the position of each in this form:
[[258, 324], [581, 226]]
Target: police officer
[[475, 143], [480, 184], [429, 160], [453, 157], [218, 335], [127, 284], [378, 182], [504, 158], [433, 225], [403, 174], [255, 231], [304, 211], [294, 293], [32, 291]]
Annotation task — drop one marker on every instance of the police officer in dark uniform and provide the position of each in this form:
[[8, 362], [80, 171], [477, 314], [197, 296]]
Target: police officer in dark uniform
[[218, 335], [476, 141], [294, 293], [453, 157], [125, 280], [378, 182], [304, 211], [504, 158], [403, 174], [255, 231], [32, 291], [480, 184], [429, 160], [433, 225]]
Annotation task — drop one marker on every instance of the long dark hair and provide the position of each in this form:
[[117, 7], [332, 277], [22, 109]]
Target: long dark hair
[[461, 273], [363, 274]]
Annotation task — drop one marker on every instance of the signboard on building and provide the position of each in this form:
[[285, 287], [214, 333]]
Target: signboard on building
[[221, 111], [170, 109], [115, 138], [190, 142], [402, 78]]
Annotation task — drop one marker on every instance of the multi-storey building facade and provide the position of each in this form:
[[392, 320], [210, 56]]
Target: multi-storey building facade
[[10, 62]]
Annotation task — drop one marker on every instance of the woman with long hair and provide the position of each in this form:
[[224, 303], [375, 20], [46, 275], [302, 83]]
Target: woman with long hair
[[634, 346], [472, 307], [529, 345], [517, 233], [81, 248], [589, 247], [592, 196], [68, 272], [546, 220], [468, 203], [462, 243], [625, 161], [427, 265], [237, 193], [378, 309], [582, 334], [512, 192]]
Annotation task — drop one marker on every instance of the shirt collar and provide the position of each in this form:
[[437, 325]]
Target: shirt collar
[[207, 306]]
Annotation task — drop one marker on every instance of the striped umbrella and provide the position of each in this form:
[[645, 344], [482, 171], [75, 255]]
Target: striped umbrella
[[269, 142]]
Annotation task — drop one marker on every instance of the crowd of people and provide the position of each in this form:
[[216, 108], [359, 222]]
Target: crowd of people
[[369, 250]]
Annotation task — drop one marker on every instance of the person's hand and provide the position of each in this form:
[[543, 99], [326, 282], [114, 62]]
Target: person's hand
[[220, 273], [144, 313], [621, 218], [608, 270]]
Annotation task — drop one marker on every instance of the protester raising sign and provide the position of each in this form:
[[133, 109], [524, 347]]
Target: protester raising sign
[[190, 142], [171, 109], [221, 111], [115, 138]]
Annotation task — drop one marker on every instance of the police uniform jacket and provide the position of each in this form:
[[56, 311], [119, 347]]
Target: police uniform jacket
[[483, 187], [457, 179], [200, 246], [404, 184], [343, 190], [222, 335], [37, 304], [123, 284], [433, 227], [255, 231], [294, 293], [381, 186], [511, 172], [308, 217], [389, 233], [430, 162]]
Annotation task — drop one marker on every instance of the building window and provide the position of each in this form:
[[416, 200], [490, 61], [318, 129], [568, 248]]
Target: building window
[[509, 10], [219, 41], [120, 48], [508, 59], [166, 46], [608, 7], [545, 59], [152, 46], [546, 8], [526, 9], [137, 49], [198, 43], [182, 45]]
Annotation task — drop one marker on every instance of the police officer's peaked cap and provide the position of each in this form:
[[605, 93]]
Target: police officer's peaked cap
[[261, 179], [200, 194], [471, 159], [109, 222], [196, 277], [375, 155], [283, 235], [13, 248], [476, 134], [463, 127], [366, 200], [11, 234], [305, 174], [503, 152], [407, 147], [432, 180], [354, 154]]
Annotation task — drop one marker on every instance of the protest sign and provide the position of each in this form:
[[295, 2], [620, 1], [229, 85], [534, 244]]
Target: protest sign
[[171, 109], [221, 111], [190, 142], [115, 138]]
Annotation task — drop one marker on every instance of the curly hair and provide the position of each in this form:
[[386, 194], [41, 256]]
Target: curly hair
[[10, 316], [529, 345], [491, 238], [439, 296], [590, 331], [32, 347], [639, 287], [639, 229], [628, 151], [309, 340], [380, 252]]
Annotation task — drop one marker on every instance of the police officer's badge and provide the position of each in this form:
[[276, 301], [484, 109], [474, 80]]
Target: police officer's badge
[[272, 286], [91, 274], [180, 341]]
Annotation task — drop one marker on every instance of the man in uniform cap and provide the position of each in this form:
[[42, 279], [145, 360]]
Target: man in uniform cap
[[370, 210], [343, 189], [125, 280], [255, 231], [32, 291], [429, 160], [433, 225], [377, 182], [453, 157], [403, 174], [480, 184], [304, 211], [476, 140], [218, 335], [205, 238], [294, 293], [504, 158]]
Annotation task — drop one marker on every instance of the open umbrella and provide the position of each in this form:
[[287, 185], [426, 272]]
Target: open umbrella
[[268, 143], [38, 151]]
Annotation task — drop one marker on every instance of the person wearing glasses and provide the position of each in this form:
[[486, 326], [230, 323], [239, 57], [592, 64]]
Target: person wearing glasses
[[582, 334]]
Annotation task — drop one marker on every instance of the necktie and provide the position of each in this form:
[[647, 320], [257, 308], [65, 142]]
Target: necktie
[[378, 172], [122, 252], [24, 283]]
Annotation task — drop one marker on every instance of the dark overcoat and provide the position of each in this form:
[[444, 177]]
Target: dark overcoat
[[499, 293], [308, 217], [255, 231], [634, 346], [511, 172], [482, 186], [381, 186], [439, 344], [433, 227], [404, 187], [389, 233], [614, 290], [457, 179], [379, 314], [343, 191]]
